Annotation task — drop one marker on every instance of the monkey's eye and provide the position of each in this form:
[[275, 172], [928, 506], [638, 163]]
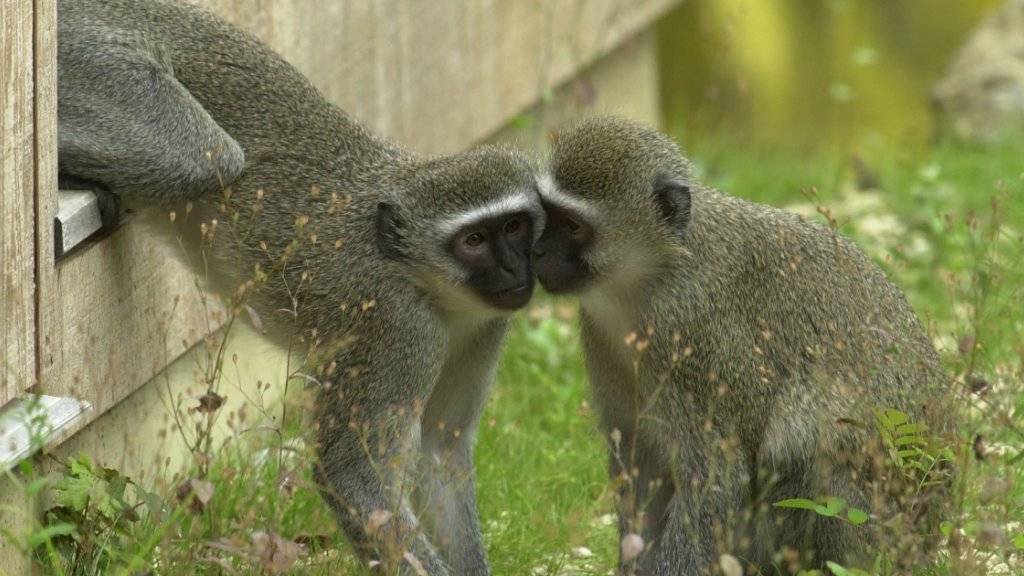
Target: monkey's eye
[[573, 225], [512, 225], [473, 240]]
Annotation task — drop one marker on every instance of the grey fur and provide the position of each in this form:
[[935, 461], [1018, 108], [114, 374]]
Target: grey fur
[[146, 89], [729, 352]]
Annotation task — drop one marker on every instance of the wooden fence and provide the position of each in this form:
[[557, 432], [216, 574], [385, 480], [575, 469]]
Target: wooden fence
[[434, 75]]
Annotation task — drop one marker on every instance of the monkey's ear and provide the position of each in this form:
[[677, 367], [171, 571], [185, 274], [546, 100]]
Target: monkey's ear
[[673, 200], [390, 231]]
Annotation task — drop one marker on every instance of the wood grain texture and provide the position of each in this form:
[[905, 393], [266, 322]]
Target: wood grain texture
[[117, 311], [437, 76], [17, 180]]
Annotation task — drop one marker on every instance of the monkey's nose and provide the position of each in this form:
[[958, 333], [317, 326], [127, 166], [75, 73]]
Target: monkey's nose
[[537, 253]]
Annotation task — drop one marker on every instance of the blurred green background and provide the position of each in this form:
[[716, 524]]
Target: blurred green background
[[820, 73]]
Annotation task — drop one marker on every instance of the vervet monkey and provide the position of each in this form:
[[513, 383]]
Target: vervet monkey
[[736, 353], [400, 271]]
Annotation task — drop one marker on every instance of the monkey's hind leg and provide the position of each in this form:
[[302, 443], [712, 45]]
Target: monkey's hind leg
[[126, 123], [809, 538], [703, 512]]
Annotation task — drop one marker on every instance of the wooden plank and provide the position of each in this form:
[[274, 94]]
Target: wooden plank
[[17, 205], [34, 423], [437, 76], [624, 83], [116, 312]]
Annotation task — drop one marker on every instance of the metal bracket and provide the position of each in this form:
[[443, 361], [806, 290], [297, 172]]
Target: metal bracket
[[78, 218]]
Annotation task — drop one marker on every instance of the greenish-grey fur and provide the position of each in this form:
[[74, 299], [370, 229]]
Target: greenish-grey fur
[[750, 327], [164, 104]]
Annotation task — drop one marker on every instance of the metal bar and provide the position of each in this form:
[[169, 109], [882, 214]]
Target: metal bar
[[78, 217]]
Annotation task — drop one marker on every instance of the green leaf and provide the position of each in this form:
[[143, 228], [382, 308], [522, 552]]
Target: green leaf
[[798, 503], [856, 516], [36, 486], [47, 533], [894, 418], [1018, 541], [908, 440], [837, 569], [73, 491], [911, 428], [946, 527], [840, 571], [833, 506]]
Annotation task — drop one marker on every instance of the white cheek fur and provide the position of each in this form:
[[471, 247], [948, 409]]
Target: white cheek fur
[[549, 192]]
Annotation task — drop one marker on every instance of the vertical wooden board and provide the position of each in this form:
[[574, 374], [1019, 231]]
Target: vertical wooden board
[[115, 314], [49, 324], [17, 213]]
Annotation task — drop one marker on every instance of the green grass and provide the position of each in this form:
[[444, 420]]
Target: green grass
[[540, 458]]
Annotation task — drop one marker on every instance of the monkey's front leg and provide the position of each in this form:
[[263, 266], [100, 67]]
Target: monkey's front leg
[[447, 493], [712, 489], [368, 439], [644, 492]]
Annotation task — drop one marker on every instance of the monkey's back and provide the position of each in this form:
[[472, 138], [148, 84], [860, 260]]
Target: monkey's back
[[788, 317], [312, 176]]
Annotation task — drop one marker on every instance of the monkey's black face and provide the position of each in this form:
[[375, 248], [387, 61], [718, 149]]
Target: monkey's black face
[[496, 251], [558, 254]]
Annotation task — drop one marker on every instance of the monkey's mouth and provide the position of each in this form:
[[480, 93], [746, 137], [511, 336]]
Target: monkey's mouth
[[513, 298], [561, 277]]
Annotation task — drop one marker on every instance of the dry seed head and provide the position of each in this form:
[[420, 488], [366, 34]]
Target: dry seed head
[[730, 565], [632, 546], [616, 436]]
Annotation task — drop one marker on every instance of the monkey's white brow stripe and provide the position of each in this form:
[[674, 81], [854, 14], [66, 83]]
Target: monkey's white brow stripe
[[549, 191], [519, 202]]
